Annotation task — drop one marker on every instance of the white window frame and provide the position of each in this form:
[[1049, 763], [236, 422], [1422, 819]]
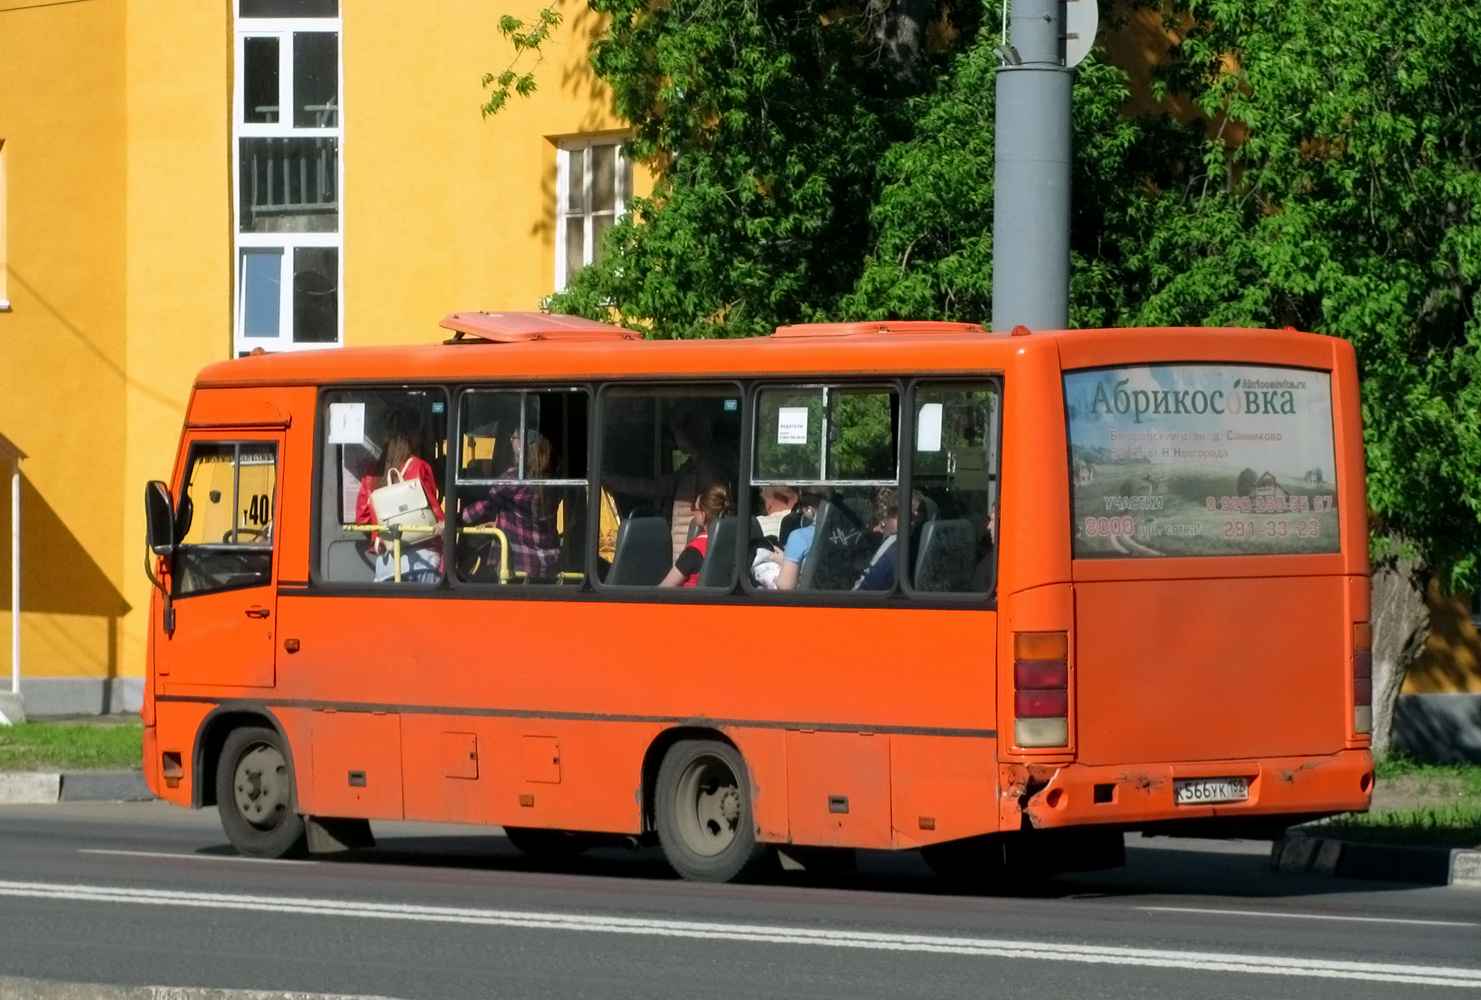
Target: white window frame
[[283, 28], [622, 185]]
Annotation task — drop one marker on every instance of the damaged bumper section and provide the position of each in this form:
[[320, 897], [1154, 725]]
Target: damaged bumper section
[[1046, 796]]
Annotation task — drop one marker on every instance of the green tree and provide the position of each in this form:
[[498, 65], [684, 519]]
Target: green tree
[[764, 121]]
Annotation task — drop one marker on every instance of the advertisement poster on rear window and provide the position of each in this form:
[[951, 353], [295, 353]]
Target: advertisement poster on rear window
[[1201, 460]]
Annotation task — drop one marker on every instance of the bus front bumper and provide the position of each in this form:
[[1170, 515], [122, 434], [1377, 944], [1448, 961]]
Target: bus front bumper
[[1060, 795]]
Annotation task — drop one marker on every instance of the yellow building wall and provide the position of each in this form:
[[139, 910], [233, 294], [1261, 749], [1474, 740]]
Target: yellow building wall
[[63, 359], [445, 210], [116, 119], [1450, 662]]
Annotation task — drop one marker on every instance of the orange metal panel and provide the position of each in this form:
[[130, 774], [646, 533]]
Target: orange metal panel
[[541, 756], [357, 765], [941, 788], [459, 755], [838, 789]]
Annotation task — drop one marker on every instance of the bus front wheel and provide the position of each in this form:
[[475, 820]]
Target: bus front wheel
[[702, 808], [254, 794]]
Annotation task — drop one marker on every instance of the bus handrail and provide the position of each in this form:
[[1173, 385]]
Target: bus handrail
[[394, 533]]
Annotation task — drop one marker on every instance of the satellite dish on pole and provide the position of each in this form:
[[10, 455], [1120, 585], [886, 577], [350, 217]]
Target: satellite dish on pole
[[1081, 20]]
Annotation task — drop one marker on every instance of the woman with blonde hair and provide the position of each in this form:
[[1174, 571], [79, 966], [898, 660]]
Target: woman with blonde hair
[[712, 503]]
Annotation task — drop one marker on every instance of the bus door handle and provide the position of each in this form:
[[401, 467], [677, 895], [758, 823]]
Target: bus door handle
[[257, 611]]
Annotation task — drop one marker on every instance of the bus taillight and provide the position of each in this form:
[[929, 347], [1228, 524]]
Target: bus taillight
[[1041, 696], [1362, 678]]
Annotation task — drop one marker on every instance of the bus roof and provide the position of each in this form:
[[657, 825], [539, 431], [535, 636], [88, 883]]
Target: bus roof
[[513, 345]]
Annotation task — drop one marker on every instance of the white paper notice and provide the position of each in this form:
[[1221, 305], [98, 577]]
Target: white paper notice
[[928, 428], [791, 425], [346, 423]]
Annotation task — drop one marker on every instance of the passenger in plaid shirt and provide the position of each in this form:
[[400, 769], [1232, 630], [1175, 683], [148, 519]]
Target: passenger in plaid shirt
[[526, 514]]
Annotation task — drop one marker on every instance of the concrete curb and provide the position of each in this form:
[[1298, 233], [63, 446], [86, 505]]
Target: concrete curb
[[1305, 852], [43, 787], [15, 988]]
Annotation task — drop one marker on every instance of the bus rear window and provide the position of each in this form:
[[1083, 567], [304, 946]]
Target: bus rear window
[[1201, 460]]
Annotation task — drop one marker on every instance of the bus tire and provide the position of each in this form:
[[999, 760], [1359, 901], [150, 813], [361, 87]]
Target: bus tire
[[254, 794], [702, 809], [547, 845]]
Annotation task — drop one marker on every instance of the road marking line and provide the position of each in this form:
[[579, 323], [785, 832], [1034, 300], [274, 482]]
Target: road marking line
[[195, 857], [1311, 916], [1305, 967]]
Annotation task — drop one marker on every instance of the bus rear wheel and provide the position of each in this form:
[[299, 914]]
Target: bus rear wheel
[[254, 794], [548, 845], [702, 809]]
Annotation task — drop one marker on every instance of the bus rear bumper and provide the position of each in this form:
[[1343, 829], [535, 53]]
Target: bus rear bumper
[[1132, 795]]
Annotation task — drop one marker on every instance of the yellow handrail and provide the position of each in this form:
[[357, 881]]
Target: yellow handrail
[[394, 533]]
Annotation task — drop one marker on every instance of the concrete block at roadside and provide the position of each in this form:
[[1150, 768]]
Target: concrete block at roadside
[[1465, 869], [104, 786], [1302, 852], [29, 787]]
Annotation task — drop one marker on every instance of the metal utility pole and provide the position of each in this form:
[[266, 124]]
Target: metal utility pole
[[1031, 198]]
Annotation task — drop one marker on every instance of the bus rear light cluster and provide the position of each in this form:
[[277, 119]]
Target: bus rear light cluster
[[1041, 689], [1362, 678]]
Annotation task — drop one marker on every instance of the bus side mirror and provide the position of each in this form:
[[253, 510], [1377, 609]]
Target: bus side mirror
[[159, 511]]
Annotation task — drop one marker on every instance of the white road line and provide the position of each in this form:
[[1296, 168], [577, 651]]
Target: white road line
[[1311, 916], [1303, 966], [195, 857]]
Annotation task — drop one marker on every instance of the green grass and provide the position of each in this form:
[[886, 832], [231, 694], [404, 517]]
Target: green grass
[[1455, 825], [1468, 776], [66, 746]]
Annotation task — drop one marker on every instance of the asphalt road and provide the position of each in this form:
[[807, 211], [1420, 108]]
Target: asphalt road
[[151, 894]]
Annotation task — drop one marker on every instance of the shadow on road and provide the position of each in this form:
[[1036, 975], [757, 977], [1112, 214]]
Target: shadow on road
[[1155, 866]]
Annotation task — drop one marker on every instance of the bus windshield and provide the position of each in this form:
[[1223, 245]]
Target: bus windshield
[[1201, 460]]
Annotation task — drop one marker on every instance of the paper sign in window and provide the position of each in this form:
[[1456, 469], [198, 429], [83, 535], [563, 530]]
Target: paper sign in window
[[928, 428], [791, 425], [346, 423]]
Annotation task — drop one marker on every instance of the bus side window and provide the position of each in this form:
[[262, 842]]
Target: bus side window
[[954, 467], [835, 449], [522, 492], [225, 517], [381, 492], [662, 447]]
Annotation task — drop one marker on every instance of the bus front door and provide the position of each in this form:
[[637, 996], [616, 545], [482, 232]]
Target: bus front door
[[222, 573]]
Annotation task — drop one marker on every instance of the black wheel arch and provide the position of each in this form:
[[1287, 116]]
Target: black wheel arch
[[654, 757], [211, 737]]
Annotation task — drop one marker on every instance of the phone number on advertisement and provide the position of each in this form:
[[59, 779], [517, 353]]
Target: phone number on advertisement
[[1270, 504], [1303, 528]]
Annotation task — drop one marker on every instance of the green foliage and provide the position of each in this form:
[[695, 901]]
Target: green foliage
[[525, 38], [1349, 208], [1330, 184], [765, 120]]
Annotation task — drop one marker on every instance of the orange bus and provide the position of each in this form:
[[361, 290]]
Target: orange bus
[[896, 585]]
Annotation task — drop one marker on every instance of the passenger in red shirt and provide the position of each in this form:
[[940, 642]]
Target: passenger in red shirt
[[421, 554], [712, 504]]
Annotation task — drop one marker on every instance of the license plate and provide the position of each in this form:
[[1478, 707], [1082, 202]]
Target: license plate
[[1201, 791]]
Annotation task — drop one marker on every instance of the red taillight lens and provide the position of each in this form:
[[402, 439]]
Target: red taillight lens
[[1041, 704], [1040, 675], [1041, 697], [1362, 678]]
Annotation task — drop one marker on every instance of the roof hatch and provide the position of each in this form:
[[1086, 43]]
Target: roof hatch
[[884, 326], [521, 327]]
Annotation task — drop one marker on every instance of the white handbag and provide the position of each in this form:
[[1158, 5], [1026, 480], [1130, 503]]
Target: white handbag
[[402, 503]]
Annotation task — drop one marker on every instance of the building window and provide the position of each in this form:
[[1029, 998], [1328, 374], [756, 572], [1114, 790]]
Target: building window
[[4, 261], [593, 184], [288, 129]]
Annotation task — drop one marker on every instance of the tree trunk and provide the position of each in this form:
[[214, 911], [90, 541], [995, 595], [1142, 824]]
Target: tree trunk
[[899, 29], [1401, 624]]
